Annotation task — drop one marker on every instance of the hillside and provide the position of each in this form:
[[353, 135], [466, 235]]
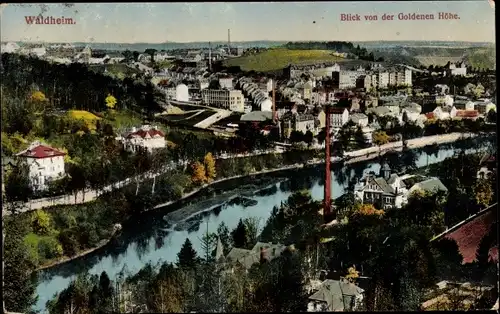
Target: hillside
[[476, 57], [278, 58]]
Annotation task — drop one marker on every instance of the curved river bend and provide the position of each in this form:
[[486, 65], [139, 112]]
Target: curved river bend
[[152, 241]]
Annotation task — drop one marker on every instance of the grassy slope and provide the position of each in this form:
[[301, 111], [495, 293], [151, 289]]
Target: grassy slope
[[275, 59]]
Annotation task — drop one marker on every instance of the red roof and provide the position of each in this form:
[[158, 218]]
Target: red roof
[[144, 133], [429, 115], [469, 235], [41, 151], [467, 113]]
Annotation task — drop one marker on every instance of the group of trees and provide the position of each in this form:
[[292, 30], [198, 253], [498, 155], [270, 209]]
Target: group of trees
[[203, 172], [74, 86]]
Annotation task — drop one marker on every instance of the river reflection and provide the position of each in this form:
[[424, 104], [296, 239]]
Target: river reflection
[[150, 239]]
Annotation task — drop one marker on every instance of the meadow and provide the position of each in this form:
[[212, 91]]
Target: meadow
[[279, 58]]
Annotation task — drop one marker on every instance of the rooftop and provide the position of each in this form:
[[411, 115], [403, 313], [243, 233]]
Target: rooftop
[[40, 151]]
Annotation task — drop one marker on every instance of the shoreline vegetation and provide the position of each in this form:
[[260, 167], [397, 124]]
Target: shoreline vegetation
[[422, 142]]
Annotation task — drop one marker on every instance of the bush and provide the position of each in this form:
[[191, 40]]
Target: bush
[[49, 248], [69, 242]]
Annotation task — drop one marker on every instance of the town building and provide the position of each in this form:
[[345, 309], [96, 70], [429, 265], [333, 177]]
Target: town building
[[45, 164], [463, 104], [339, 117], [182, 93], [346, 79], [146, 138], [336, 296], [389, 190], [224, 98], [488, 166], [226, 83], [298, 122], [457, 69], [261, 252], [360, 119]]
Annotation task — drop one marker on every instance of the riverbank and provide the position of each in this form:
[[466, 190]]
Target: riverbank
[[67, 259], [413, 144]]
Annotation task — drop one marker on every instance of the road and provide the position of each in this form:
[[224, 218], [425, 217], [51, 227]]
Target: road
[[91, 195]]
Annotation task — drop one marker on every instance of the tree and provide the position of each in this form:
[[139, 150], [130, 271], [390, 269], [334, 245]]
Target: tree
[[151, 53], [308, 137], [38, 96], [296, 136], [111, 102], [209, 164], [198, 173], [239, 235], [380, 138], [40, 221], [483, 192], [187, 257], [19, 287], [359, 137], [367, 210], [18, 187], [223, 234], [491, 116]]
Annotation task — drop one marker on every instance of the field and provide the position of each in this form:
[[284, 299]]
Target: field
[[275, 59], [89, 118], [439, 61]]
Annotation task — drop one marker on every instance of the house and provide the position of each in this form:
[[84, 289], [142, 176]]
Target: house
[[146, 138], [444, 100], [339, 116], [444, 113], [380, 111], [488, 166], [483, 107], [335, 296], [392, 191], [300, 122], [412, 112], [442, 89], [467, 114], [45, 164], [359, 119], [456, 69], [463, 104], [247, 258]]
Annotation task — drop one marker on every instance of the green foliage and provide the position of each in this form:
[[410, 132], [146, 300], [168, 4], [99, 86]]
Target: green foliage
[[41, 222], [187, 257]]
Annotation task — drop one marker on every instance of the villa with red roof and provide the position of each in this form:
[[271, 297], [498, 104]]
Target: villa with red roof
[[45, 164], [146, 138]]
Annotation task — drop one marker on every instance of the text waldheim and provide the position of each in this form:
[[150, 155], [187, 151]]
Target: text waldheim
[[49, 20]]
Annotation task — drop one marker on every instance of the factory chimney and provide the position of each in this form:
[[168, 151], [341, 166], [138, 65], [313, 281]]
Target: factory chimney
[[328, 175], [229, 42], [210, 56], [274, 100]]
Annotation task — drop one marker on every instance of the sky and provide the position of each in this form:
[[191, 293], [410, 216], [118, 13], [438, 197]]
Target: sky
[[289, 21]]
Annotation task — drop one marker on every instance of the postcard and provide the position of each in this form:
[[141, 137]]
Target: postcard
[[249, 157]]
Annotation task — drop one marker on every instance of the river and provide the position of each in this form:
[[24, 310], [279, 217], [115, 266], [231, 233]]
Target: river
[[150, 240]]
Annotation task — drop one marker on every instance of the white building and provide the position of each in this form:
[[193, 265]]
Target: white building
[[359, 119], [182, 93], [347, 79], [445, 100], [392, 191], [338, 117], [223, 98], [45, 164], [453, 69], [146, 138], [226, 82], [9, 47], [444, 113]]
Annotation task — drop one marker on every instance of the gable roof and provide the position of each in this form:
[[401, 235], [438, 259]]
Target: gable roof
[[337, 294], [144, 133], [469, 235], [430, 185], [41, 151]]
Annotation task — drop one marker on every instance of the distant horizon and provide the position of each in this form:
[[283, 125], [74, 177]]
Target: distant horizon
[[244, 41]]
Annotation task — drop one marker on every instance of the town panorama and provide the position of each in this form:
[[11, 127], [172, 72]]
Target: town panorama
[[249, 157]]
